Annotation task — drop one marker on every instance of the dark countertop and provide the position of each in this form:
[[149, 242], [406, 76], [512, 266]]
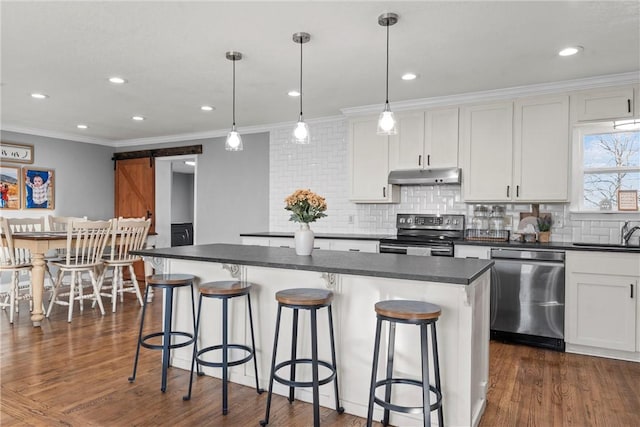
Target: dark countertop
[[319, 235], [436, 269], [553, 245]]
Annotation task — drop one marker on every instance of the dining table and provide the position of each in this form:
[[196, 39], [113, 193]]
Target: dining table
[[39, 243]]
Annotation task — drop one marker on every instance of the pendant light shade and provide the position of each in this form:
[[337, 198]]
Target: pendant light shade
[[234, 140], [387, 121], [301, 131]]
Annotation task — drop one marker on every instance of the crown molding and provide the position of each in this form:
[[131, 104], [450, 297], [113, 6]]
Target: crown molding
[[501, 94], [218, 133], [57, 135]]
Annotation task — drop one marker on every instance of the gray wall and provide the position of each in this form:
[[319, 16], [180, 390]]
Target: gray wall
[[232, 188], [182, 198], [84, 176]]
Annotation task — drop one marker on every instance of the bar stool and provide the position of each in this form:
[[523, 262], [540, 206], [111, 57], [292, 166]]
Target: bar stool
[[312, 300], [168, 282], [414, 313], [224, 290]]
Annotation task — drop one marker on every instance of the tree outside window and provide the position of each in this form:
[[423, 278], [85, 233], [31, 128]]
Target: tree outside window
[[611, 162]]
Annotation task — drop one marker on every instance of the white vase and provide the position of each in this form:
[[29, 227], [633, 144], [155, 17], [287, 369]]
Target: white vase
[[304, 240]]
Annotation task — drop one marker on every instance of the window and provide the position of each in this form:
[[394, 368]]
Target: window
[[608, 161]]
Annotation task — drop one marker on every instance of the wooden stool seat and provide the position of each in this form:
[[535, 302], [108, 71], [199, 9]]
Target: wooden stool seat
[[407, 310], [229, 288], [304, 296], [169, 279]]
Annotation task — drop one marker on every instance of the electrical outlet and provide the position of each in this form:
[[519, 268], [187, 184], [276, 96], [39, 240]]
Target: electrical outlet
[[350, 219]]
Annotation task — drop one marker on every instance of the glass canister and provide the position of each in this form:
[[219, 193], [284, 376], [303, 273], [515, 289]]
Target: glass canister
[[480, 219], [496, 219]]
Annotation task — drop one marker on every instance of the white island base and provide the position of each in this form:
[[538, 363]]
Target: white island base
[[463, 336]]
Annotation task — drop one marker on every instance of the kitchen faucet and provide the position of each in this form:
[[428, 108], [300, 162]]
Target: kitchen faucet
[[626, 233]]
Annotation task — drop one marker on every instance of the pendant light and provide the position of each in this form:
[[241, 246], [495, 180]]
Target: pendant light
[[387, 121], [234, 140], [301, 131]]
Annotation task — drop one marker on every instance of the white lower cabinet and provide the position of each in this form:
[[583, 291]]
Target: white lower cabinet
[[472, 251], [602, 304]]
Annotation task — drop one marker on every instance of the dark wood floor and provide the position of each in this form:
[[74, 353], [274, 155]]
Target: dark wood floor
[[76, 374]]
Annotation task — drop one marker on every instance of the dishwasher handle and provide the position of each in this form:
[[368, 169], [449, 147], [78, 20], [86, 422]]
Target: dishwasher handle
[[527, 255]]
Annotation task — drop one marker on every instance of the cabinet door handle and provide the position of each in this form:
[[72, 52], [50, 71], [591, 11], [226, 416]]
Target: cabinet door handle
[[419, 159], [517, 191], [384, 191], [508, 188], [354, 250], [628, 105], [428, 159], [631, 289]]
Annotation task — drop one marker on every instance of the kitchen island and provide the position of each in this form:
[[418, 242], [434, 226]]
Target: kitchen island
[[359, 280]]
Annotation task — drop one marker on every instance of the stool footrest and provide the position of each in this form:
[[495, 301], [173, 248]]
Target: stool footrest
[[145, 338], [407, 409], [221, 347], [303, 383]]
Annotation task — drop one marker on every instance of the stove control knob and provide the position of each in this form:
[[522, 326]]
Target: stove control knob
[[409, 220], [455, 222]]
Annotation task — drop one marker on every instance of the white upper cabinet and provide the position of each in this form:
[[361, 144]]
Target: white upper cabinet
[[369, 160], [541, 149], [516, 151], [486, 146], [425, 140], [604, 104]]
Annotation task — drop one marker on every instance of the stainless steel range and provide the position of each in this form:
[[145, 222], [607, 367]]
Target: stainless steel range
[[425, 234]]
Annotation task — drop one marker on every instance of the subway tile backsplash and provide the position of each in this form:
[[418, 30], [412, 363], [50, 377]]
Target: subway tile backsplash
[[323, 166]]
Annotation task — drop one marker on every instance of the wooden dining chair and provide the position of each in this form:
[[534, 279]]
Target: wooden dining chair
[[126, 235], [12, 261], [30, 225], [61, 223], [86, 241]]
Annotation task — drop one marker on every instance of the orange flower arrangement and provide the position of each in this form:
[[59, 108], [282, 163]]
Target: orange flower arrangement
[[306, 206]]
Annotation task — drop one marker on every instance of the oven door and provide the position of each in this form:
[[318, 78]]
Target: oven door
[[415, 249]]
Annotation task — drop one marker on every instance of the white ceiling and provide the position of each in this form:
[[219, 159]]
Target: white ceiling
[[173, 56]]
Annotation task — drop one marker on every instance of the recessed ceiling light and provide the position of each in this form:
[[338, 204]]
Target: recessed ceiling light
[[82, 127], [137, 118], [207, 108], [117, 80], [39, 95], [409, 76], [293, 93], [572, 50]]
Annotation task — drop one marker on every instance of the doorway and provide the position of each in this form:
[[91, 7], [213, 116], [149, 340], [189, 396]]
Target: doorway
[[176, 217]]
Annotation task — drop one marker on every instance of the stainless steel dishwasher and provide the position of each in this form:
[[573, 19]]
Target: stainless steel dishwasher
[[527, 297]]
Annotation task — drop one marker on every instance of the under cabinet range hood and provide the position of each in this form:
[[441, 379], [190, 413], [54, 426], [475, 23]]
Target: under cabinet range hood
[[425, 176]]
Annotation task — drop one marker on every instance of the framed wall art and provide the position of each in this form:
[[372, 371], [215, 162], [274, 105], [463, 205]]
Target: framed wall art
[[10, 187], [16, 153], [627, 200], [38, 188]]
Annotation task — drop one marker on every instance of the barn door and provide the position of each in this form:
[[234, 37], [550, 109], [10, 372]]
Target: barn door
[[135, 189]]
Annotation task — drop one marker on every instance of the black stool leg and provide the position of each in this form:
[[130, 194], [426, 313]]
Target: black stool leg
[[436, 370], [390, 351], [424, 355], [339, 408], [253, 346], [294, 348], [314, 368], [374, 370], [225, 355], [273, 367], [195, 349], [166, 338], [132, 378]]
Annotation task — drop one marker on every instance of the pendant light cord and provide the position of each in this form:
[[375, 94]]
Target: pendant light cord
[[387, 86], [234, 94], [301, 77]]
